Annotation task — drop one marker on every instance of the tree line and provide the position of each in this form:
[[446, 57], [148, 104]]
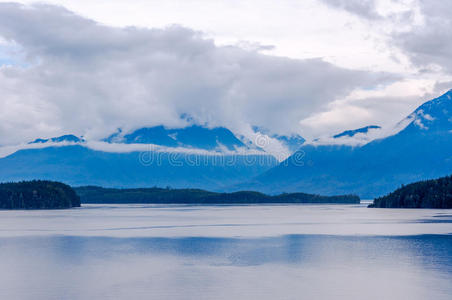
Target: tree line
[[435, 193], [95, 194], [37, 194]]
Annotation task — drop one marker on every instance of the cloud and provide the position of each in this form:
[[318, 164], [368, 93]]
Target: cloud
[[429, 44], [394, 14], [420, 28], [384, 107], [362, 8], [144, 149], [81, 77], [418, 34]]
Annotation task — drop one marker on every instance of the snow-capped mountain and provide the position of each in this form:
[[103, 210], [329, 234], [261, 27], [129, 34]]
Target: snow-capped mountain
[[280, 146], [292, 142], [211, 139], [195, 157], [194, 136], [190, 139], [419, 147], [368, 161], [355, 137], [432, 116]]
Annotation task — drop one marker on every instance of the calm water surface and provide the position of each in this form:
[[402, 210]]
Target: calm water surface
[[226, 252]]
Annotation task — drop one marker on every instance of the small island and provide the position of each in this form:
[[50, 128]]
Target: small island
[[37, 194], [99, 195], [436, 193]]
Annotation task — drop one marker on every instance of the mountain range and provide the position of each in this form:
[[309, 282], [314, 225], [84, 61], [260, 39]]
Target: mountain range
[[194, 156], [361, 161], [422, 149], [193, 136]]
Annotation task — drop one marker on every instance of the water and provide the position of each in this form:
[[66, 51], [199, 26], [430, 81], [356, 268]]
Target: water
[[226, 252]]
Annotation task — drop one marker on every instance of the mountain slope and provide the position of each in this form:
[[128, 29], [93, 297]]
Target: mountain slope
[[189, 137], [351, 133], [78, 165], [422, 150], [195, 157]]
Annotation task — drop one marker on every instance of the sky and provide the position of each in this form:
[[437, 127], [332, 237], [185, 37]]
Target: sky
[[312, 67]]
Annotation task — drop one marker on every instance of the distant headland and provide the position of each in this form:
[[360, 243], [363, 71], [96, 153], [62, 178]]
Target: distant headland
[[94, 194]]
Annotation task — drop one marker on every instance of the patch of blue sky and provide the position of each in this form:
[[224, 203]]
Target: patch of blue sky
[[12, 55]]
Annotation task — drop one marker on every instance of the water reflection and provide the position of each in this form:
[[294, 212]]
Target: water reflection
[[284, 267]]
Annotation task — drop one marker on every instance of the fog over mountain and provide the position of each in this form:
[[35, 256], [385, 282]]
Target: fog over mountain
[[70, 74], [226, 149], [88, 72], [86, 83], [420, 149]]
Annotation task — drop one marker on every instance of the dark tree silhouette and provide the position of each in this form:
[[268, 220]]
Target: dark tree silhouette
[[94, 194], [436, 193], [37, 194]]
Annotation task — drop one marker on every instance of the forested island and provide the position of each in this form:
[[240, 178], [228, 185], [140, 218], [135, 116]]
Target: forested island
[[436, 193], [37, 194], [94, 194]]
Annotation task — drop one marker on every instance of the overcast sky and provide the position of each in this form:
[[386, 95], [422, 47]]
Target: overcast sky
[[309, 67]]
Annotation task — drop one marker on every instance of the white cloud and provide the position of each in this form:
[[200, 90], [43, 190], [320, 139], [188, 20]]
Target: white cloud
[[429, 44], [296, 29], [128, 148], [417, 33], [64, 73], [384, 106], [88, 79]]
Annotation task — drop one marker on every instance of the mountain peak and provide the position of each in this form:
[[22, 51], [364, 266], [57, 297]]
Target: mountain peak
[[64, 138], [419, 150], [434, 115], [351, 133], [292, 142], [193, 136]]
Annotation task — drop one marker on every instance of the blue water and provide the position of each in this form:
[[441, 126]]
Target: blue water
[[226, 252]]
